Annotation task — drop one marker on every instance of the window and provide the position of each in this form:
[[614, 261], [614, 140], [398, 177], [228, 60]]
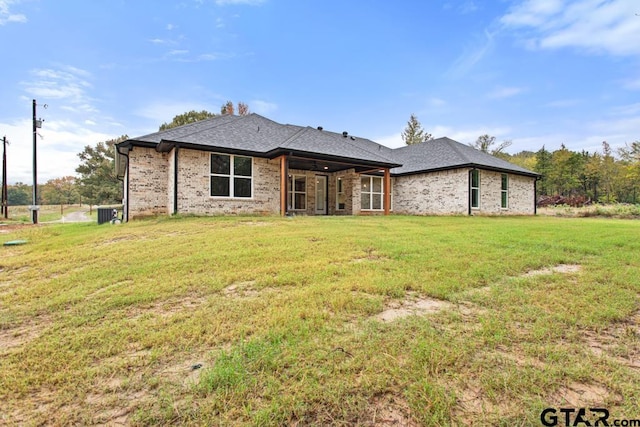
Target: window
[[371, 193], [231, 176], [475, 189], [505, 191], [297, 192], [340, 195]]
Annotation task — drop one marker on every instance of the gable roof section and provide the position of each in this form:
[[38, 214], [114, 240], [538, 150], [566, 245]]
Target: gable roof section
[[445, 153]]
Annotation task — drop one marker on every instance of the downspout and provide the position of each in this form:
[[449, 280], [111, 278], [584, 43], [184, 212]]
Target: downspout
[[125, 185], [175, 181], [535, 195], [469, 190]]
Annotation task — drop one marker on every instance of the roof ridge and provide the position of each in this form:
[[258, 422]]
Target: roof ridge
[[455, 148], [293, 137]]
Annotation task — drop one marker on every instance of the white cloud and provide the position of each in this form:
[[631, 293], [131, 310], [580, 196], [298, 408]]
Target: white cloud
[[57, 149], [465, 62], [437, 102], [170, 27], [563, 103], [233, 2], [6, 16], [263, 108], [505, 92], [593, 26], [66, 83]]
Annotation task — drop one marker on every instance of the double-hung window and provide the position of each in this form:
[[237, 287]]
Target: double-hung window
[[371, 193], [475, 189], [340, 195], [297, 192], [504, 204], [231, 176]]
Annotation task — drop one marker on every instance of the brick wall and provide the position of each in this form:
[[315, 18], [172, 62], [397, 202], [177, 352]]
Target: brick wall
[[194, 187], [148, 192], [447, 192], [435, 193]]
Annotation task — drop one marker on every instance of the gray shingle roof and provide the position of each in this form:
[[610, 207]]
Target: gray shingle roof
[[445, 153], [256, 134]]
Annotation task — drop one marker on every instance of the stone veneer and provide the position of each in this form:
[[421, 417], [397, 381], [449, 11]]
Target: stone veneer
[[447, 193]]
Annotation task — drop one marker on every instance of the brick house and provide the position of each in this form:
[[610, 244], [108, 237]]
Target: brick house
[[252, 165]]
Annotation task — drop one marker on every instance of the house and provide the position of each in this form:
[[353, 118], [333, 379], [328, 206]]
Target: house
[[252, 165]]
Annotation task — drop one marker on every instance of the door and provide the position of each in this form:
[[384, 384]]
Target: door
[[321, 195]]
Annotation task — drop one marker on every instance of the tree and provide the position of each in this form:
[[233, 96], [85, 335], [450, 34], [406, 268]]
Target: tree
[[544, 167], [98, 181], [414, 133], [186, 118], [243, 109], [60, 191], [485, 142], [228, 108], [630, 170], [19, 194]]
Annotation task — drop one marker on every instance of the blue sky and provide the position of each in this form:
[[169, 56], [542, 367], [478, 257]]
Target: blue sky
[[537, 72]]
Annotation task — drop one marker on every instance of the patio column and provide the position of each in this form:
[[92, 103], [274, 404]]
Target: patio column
[[387, 191], [283, 185]]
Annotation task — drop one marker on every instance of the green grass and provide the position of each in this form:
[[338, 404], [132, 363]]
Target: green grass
[[104, 324]]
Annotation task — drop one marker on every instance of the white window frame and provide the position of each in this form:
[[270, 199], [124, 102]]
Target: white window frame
[[476, 189], [340, 192], [504, 191], [371, 192], [291, 192], [231, 175]]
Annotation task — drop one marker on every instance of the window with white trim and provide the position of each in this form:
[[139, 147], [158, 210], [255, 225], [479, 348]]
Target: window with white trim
[[231, 176], [475, 189], [297, 197], [504, 203], [341, 197], [371, 193]]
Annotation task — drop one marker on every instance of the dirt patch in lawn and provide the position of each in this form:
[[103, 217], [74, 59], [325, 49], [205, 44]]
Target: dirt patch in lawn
[[620, 342], [389, 410], [412, 305], [14, 337], [167, 308], [579, 395], [474, 407], [241, 289], [560, 268]]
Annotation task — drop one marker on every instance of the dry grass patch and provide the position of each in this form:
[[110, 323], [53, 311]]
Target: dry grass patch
[[561, 268]]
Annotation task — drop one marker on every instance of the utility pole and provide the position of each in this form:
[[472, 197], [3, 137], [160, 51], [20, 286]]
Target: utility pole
[[5, 201], [37, 123]]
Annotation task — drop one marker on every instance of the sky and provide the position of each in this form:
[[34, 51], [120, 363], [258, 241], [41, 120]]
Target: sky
[[536, 72]]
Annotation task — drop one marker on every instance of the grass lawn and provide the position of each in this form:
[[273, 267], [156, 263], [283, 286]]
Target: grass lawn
[[46, 213], [319, 321]]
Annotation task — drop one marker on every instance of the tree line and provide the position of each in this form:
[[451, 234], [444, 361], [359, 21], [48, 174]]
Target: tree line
[[605, 176]]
